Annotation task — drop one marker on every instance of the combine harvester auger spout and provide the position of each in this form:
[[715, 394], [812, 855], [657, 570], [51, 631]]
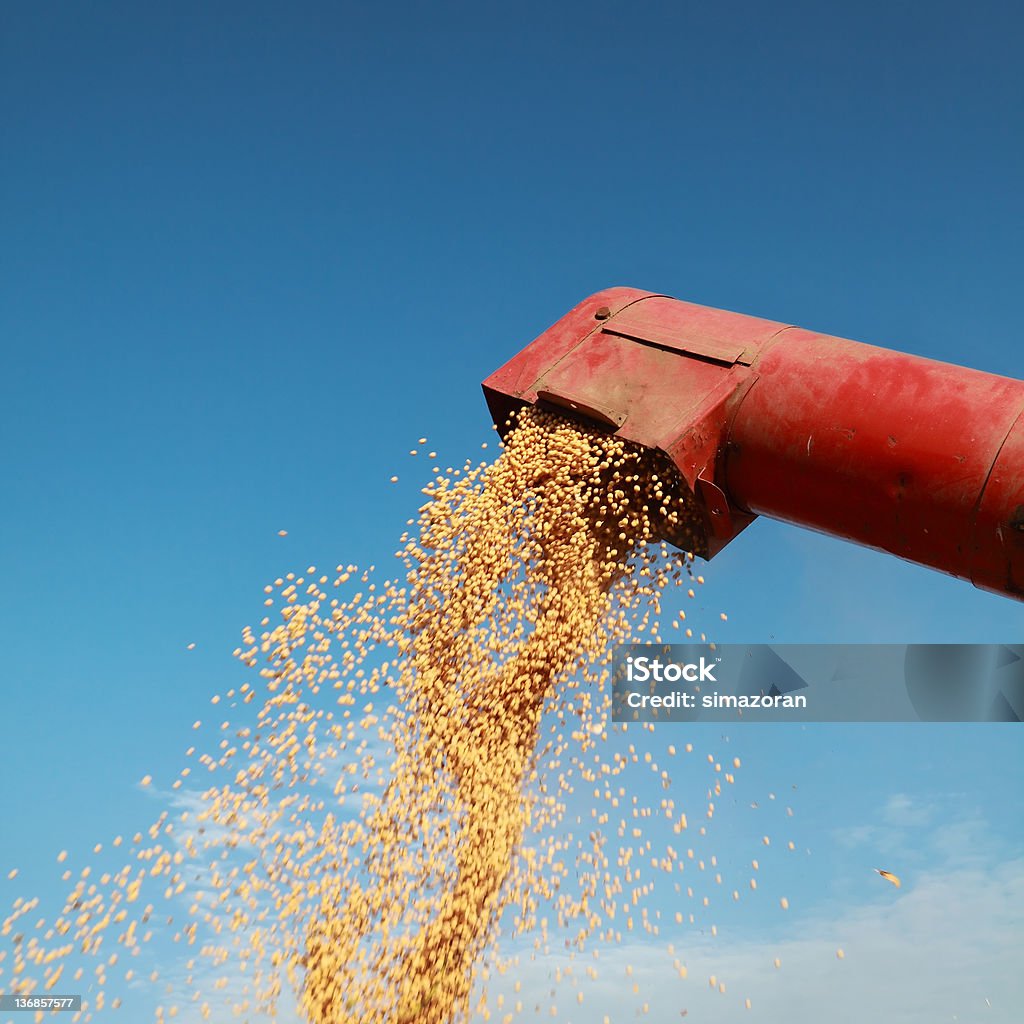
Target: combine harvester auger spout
[[908, 455]]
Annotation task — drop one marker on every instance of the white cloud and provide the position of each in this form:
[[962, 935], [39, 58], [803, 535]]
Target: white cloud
[[859, 835], [903, 811], [942, 948], [895, 831]]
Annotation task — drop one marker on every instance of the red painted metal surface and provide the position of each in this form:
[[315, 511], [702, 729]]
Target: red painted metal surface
[[907, 455]]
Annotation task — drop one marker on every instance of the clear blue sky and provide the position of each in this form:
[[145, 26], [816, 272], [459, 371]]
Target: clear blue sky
[[252, 251]]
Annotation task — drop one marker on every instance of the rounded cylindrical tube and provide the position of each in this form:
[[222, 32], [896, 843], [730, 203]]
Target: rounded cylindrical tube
[[915, 457]]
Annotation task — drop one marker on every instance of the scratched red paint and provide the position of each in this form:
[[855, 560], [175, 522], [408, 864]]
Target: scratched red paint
[[908, 455]]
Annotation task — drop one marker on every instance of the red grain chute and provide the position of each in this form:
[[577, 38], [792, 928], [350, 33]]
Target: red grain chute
[[919, 458]]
